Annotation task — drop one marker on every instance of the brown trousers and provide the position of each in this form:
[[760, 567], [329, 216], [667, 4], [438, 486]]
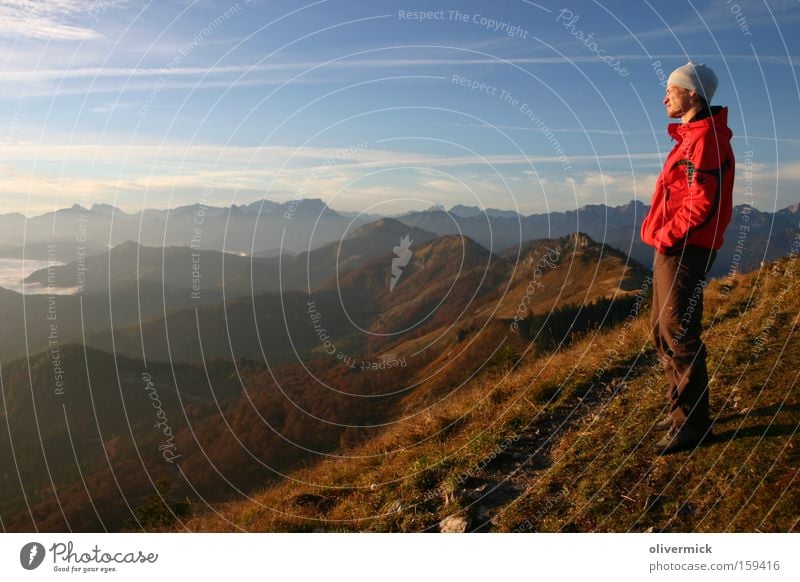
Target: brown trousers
[[676, 321]]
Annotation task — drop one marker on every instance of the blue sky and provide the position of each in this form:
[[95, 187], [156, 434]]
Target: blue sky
[[369, 107]]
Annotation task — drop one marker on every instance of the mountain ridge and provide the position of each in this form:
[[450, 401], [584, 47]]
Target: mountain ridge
[[302, 225], [562, 444]]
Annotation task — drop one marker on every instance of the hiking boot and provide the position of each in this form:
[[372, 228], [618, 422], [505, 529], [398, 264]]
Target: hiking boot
[[682, 439], [664, 424]]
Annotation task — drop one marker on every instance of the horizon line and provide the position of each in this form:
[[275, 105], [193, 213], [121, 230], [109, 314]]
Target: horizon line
[[117, 210]]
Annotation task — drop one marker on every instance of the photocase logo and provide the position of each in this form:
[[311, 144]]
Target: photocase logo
[[31, 555], [402, 256]]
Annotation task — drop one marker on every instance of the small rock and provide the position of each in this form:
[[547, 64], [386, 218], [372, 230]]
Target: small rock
[[454, 524]]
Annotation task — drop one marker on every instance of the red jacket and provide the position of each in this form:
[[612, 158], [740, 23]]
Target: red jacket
[[693, 199]]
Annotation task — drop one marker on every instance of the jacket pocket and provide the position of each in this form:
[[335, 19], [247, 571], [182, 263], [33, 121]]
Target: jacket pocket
[[677, 190]]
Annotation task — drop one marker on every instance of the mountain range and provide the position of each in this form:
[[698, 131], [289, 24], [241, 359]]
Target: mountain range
[[259, 383], [265, 365], [266, 229]]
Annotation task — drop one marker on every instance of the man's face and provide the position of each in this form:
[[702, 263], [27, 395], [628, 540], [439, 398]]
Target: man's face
[[678, 101]]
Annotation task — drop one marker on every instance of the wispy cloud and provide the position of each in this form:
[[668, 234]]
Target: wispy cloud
[[44, 19], [78, 150], [533, 129], [73, 170], [111, 106], [342, 63], [174, 174], [784, 140], [715, 17], [100, 80]]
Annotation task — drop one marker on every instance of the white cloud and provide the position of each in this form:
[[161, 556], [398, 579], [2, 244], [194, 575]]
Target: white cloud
[[784, 140], [790, 172], [316, 67], [90, 149], [44, 19], [611, 188], [90, 169]]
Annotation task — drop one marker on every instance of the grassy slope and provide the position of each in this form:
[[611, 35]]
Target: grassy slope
[[562, 443]]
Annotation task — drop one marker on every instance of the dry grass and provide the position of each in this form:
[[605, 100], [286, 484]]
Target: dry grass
[[599, 474]]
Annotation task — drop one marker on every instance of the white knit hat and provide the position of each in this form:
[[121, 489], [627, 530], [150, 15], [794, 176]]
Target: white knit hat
[[695, 77]]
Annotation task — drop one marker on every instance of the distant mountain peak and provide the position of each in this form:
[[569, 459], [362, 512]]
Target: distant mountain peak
[[457, 243], [126, 246], [102, 208], [382, 223], [307, 207], [392, 227], [793, 209], [259, 206], [465, 211], [474, 211], [633, 204]]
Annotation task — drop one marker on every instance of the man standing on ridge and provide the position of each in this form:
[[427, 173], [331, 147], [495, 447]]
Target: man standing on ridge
[[691, 207]]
